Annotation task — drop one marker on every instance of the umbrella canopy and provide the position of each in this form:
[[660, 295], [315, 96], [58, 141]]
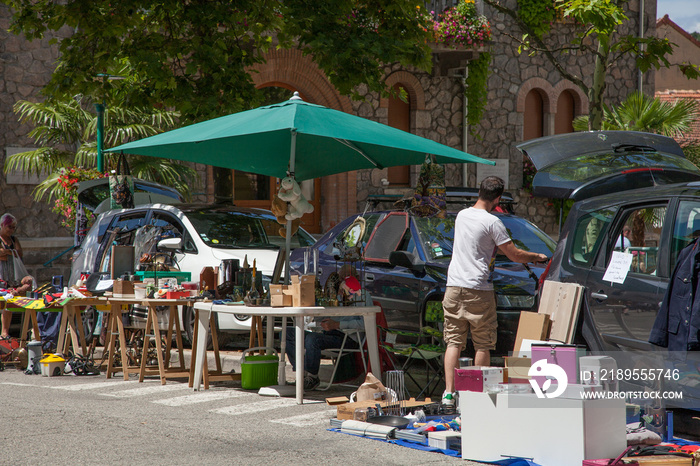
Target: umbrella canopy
[[309, 140]]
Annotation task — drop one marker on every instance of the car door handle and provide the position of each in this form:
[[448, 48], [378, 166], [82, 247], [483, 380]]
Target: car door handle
[[369, 277], [600, 296]]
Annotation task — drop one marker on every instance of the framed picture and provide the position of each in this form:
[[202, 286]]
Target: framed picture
[[353, 235]]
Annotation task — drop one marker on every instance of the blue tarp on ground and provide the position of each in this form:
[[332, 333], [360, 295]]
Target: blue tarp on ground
[[453, 453]]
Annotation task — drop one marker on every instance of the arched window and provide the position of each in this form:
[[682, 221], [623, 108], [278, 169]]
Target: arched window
[[566, 112], [533, 119], [399, 113]]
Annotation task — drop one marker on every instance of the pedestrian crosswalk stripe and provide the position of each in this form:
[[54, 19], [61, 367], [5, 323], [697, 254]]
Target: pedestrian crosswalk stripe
[[255, 407], [18, 384], [92, 386], [304, 420], [202, 397], [141, 391]]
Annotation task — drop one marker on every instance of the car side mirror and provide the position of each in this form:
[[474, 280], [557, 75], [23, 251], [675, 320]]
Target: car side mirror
[[406, 259], [170, 243]]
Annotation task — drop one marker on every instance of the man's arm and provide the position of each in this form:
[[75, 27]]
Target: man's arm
[[518, 255]]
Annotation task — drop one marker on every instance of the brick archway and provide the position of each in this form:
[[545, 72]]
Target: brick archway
[[412, 86], [543, 87], [292, 70], [580, 99]]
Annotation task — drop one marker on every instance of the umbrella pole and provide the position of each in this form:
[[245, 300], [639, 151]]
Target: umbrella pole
[[288, 236], [287, 252]]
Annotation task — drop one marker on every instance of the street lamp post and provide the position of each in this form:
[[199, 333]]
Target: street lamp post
[[100, 108]]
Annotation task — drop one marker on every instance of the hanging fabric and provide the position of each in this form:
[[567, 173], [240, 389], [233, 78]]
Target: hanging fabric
[[429, 199], [121, 186]]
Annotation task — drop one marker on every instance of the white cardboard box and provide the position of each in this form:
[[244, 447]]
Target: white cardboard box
[[552, 431], [445, 440]]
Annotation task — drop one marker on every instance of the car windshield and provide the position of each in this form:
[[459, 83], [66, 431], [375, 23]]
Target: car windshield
[[437, 236], [243, 230]]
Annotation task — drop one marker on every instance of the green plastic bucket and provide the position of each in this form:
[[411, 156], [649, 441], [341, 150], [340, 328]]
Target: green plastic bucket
[[259, 370]]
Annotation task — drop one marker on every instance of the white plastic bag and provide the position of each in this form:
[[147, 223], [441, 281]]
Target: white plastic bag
[[20, 269]]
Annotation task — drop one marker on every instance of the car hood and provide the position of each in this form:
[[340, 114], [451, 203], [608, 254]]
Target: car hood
[[582, 165]]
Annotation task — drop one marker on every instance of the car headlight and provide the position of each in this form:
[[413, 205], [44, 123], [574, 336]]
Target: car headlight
[[515, 301]]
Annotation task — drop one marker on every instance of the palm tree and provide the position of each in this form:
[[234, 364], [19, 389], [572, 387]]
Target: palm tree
[[65, 134], [639, 112]]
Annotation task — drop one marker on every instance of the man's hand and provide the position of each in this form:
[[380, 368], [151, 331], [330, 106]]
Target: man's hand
[[330, 324], [542, 258], [520, 255]]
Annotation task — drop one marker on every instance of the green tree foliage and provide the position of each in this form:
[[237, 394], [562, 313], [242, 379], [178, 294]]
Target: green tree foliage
[[195, 56], [597, 24], [65, 134], [639, 112]]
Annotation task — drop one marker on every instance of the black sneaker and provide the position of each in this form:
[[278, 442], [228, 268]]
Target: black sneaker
[[311, 382]]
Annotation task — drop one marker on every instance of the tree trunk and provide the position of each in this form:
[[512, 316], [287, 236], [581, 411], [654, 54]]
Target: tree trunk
[[595, 98]]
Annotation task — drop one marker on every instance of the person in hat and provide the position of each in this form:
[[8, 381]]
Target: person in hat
[[330, 336]]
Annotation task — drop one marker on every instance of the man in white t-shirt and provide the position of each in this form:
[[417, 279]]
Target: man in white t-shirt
[[470, 303]]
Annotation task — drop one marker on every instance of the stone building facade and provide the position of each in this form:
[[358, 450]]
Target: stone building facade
[[25, 67], [436, 103]]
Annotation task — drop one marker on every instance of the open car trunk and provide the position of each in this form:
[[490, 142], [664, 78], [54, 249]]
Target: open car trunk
[[582, 165], [94, 194]]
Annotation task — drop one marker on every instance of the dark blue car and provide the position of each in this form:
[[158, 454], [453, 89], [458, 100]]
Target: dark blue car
[[406, 260]]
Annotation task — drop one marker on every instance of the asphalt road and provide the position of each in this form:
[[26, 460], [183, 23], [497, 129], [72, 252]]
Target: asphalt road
[[94, 420]]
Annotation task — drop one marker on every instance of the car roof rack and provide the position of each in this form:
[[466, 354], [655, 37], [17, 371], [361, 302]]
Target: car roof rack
[[462, 196]]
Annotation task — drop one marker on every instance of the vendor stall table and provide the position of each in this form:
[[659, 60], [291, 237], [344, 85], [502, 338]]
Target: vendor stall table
[[151, 331], [213, 375], [115, 329], [71, 322], [298, 313], [29, 308]]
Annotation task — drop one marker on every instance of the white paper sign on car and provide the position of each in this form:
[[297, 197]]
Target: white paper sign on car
[[618, 268]]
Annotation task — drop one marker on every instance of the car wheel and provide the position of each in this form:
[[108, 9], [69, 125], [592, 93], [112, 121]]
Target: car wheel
[[188, 317], [89, 322]]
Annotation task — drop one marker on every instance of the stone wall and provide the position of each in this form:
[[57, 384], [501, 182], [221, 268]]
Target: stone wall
[[25, 68], [512, 75]]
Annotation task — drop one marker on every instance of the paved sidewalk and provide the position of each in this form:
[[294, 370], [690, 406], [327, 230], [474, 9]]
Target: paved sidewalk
[[231, 361]]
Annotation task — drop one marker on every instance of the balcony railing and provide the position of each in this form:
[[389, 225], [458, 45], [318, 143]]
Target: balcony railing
[[438, 6]]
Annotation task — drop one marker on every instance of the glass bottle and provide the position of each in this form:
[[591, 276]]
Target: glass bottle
[[253, 294]]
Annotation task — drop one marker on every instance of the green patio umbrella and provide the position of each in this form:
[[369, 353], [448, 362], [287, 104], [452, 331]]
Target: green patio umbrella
[[307, 140], [294, 138]]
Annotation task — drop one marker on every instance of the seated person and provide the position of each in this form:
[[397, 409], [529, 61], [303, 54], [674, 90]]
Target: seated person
[[331, 336]]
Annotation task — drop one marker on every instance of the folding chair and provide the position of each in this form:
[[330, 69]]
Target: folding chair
[[426, 346], [337, 353]]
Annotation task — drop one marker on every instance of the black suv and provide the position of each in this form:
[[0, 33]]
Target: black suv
[[636, 194]]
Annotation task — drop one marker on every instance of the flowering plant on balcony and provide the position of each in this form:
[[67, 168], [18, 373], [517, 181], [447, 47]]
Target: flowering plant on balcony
[[462, 26]]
